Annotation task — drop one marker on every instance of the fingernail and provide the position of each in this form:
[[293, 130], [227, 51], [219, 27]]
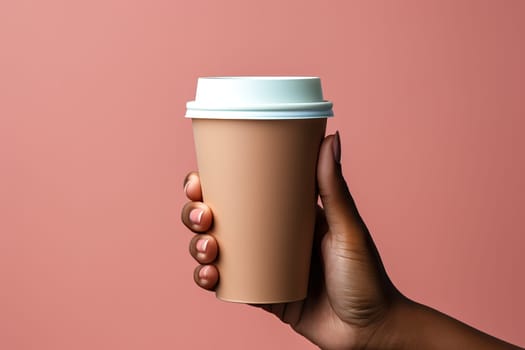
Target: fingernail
[[186, 187], [196, 216], [201, 245], [336, 147], [203, 272]]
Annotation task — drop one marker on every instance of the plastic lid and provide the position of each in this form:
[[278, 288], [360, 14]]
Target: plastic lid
[[259, 98]]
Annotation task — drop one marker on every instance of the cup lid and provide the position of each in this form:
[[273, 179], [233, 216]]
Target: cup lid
[[259, 97]]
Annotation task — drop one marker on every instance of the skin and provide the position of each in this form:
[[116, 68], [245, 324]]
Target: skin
[[351, 303]]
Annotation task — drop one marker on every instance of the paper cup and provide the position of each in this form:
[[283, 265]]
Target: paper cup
[[257, 140]]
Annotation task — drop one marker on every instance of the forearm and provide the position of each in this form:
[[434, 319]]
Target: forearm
[[415, 326]]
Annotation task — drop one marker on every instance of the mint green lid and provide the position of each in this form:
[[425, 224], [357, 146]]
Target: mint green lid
[[259, 98]]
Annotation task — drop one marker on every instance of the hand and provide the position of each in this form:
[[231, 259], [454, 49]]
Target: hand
[[350, 295], [351, 302]]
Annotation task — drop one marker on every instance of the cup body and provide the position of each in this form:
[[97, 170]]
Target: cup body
[[257, 141], [258, 178]]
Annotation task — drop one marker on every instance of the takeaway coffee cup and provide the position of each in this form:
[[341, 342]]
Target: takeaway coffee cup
[[257, 140]]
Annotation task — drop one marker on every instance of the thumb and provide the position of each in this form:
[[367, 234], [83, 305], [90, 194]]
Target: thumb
[[340, 210]]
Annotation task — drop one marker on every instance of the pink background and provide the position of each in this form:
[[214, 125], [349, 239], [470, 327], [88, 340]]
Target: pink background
[[429, 100]]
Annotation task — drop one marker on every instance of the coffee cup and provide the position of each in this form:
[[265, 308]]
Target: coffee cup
[[257, 141]]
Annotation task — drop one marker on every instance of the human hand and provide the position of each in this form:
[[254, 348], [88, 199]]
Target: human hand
[[349, 295]]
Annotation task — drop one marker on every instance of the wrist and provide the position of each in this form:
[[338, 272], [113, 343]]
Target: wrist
[[409, 325], [393, 331]]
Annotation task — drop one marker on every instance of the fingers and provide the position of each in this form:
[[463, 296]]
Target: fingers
[[192, 187], [340, 210], [197, 216], [206, 276], [204, 248]]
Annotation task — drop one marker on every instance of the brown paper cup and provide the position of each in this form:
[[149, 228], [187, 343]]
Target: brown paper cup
[[258, 176]]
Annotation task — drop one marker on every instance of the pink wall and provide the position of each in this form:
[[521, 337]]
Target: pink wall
[[429, 98]]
